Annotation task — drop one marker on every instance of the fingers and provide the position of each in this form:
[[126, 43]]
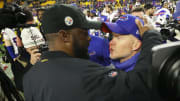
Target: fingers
[[140, 26], [138, 23], [145, 20], [35, 51], [35, 56]]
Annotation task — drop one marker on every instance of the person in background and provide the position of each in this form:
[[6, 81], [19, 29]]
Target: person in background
[[149, 13], [10, 41], [162, 15], [40, 13], [139, 12], [99, 50], [149, 10], [30, 38]]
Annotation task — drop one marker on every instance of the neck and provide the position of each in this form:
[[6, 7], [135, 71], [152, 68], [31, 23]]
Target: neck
[[126, 58], [62, 48]]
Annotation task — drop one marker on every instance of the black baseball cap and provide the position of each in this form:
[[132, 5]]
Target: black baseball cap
[[64, 16]]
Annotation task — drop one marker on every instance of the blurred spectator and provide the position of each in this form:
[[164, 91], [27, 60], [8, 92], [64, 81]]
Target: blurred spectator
[[149, 10], [10, 42], [138, 12]]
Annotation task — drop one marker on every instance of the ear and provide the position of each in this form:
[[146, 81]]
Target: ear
[[64, 36], [136, 45]]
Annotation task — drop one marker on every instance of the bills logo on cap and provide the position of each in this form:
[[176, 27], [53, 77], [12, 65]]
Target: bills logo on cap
[[123, 18], [68, 21]]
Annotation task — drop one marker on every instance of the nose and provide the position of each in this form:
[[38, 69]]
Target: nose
[[111, 43]]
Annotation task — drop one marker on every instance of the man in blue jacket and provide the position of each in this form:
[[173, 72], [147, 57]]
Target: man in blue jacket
[[126, 43], [99, 50]]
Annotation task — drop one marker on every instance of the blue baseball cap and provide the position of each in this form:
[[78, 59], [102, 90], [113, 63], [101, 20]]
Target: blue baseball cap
[[125, 25]]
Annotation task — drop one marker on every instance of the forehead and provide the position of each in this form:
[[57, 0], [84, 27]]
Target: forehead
[[78, 30], [119, 34]]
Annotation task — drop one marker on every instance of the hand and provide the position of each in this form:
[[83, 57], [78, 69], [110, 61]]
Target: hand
[[35, 56], [143, 28]]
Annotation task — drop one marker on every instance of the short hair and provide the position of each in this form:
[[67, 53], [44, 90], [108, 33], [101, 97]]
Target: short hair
[[148, 6], [29, 16], [24, 16], [138, 9], [110, 7]]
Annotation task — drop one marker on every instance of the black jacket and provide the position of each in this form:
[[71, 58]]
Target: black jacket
[[20, 67], [63, 78], [57, 79], [135, 85]]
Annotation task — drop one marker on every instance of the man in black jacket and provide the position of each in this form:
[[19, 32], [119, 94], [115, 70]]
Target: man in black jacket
[[66, 75]]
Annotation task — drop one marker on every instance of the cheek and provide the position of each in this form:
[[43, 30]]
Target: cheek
[[84, 43], [122, 49]]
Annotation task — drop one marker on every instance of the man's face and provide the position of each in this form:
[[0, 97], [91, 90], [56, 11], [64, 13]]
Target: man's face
[[80, 43], [40, 13], [165, 5], [151, 11], [138, 14], [121, 46]]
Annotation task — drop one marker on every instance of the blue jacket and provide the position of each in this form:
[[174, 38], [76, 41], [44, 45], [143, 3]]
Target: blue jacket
[[99, 50]]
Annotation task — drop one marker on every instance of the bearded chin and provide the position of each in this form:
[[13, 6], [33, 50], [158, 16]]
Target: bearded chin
[[80, 52]]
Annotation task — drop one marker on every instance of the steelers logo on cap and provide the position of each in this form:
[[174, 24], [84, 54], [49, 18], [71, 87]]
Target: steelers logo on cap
[[68, 21]]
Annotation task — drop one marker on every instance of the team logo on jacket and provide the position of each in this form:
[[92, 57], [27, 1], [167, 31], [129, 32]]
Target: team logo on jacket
[[68, 21], [92, 53], [123, 18], [137, 32], [112, 74]]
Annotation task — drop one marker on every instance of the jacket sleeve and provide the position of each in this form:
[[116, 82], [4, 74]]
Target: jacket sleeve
[[107, 84], [27, 87]]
